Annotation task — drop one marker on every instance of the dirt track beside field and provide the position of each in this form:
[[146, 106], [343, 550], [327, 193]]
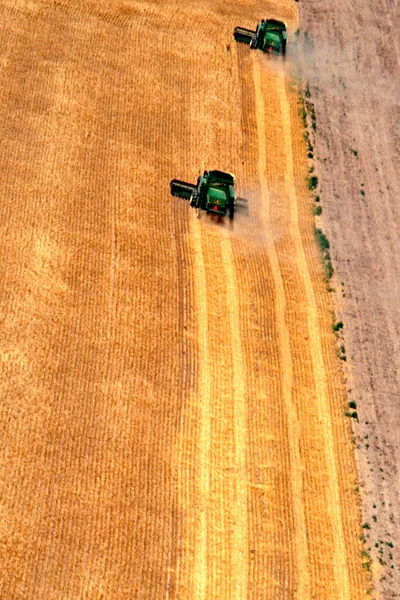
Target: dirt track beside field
[[171, 402]]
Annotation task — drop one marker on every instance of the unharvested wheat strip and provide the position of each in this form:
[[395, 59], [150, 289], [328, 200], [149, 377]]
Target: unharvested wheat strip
[[200, 574], [340, 566], [184, 450], [57, 457], [185, 384], [303, 583], [240, 555]]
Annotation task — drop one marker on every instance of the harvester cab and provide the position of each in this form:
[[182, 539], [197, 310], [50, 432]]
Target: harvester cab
[[213, 193], [270, 36]]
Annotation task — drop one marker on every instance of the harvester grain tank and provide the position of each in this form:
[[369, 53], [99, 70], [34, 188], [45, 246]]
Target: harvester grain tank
[[270, 36], [213, 193]]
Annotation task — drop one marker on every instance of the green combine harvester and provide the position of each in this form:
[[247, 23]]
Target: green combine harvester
[[270, 36], [213, 193]]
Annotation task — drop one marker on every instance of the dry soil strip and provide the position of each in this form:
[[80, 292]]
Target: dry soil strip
[[303, 580], [340, 568]]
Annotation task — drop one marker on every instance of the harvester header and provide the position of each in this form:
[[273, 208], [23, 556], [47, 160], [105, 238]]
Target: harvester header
[[270, 36]]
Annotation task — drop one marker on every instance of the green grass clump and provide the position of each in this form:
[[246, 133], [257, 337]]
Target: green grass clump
[[366, 560], [317, 210], [312, 182], [328, 270], [322, 240], [324, 246]]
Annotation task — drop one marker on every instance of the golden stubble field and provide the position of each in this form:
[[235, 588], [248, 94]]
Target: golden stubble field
[[171, 403]]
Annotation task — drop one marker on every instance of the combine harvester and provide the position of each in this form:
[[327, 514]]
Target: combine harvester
[[213, 193], [270, 36]]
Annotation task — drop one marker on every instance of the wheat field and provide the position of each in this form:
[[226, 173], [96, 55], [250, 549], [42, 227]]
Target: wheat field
[[172, 408]]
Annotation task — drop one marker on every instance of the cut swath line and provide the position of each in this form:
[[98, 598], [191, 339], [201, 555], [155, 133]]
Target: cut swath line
[[200, 559], [240, 550], [208, 536]]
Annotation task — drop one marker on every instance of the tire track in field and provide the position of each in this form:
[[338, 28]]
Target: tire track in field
[[286, 368]]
